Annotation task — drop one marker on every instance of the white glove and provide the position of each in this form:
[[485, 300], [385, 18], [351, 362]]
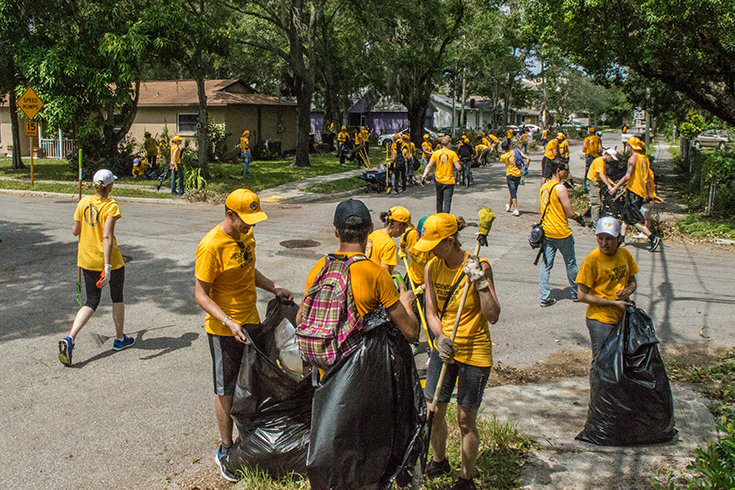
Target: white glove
[[105, 276], [475, 272]]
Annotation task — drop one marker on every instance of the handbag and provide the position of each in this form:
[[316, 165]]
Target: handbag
[[537, 238]]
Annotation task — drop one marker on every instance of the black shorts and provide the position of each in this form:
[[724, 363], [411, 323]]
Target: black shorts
[[226, 359], [470, 381], [631, 213], [116, 284]]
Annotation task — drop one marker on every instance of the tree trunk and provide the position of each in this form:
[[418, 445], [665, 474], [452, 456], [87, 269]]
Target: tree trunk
[[416, 120], [15, 129], [303, 121], [202, 126], [506, 100]]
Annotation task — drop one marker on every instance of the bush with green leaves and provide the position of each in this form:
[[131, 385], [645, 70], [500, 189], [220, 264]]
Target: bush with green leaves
[[217, 135]]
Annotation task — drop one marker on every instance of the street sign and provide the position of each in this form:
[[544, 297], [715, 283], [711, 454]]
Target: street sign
[[30, 103], [639, 113], [603, 117], [31, 129]]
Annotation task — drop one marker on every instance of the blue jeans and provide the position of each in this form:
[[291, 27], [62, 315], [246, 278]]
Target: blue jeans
[[246, 156], [566, 247], [513, 183], [524, 144], [587, 162], [177, 173], [342, 153], [444, 193]]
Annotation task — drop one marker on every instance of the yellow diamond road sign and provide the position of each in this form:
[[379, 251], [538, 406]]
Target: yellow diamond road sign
[[30, 103]]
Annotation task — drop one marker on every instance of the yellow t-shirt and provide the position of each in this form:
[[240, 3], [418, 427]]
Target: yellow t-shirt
[[509, 133], [244, 143], [555, 222], [426, 149], [444, 160], [151, 146], [92, 212], [418, 258], [524, 137], [480, 148], [473, 335], [551, 145], [651, 178], [342, 136], [605, 275], [544, 133], [493, 138], [371, 284], [381, 248], [486, 142], [509, 159], [564, 149], [639, 177], [596, 167], [175, 155], [229, 265], [592, 146]]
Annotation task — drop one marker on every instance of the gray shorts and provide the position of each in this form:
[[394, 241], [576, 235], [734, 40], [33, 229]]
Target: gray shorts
[[226, 358], [470, 381]]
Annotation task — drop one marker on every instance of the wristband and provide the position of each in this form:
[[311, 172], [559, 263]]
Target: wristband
[[224, 320]]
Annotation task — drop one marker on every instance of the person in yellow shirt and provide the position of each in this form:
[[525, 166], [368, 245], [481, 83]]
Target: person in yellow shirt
[[595, 178], [556, 209], [524, 141], [245, 152], [494, 144], [342, 138], [426, 150], [637, 191], [469, 356], [592, 149], [509, 136], [649, 204], [417, 259], [365, 137], [446, 161], [544, 137], [225, 278], [564, 149], [139, 167], [551, 152], [100, 261], [151, 148], [175, 166], [606, 280], [381, 248], [513, 175]]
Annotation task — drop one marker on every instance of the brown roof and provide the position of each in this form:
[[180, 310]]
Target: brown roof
[[219, 93]]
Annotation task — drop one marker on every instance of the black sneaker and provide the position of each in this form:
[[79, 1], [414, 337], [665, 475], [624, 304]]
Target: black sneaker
[[462, 484], [434, 469], [548, 302], [219, 458], [655, 242]]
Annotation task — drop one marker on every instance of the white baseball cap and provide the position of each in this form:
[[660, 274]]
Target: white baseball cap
[[612, 153], [608, 225], [105, 176]]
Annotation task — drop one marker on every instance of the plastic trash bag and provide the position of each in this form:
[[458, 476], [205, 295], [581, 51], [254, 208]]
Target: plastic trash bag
[[368, 414], [272, 411], [630, 396]]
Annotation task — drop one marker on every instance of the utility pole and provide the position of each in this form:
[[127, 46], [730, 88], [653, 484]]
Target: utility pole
[[463, 119], [648, 116], [454, 103]]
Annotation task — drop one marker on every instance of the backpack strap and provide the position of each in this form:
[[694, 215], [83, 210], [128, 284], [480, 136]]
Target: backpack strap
[[547, 204], [451, 293]]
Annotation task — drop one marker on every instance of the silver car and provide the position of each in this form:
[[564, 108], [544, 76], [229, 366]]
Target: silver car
[[713, 138]]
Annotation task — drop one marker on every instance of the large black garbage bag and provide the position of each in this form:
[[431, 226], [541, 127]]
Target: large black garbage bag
[[368, 414], [272, 411], [630, 396]]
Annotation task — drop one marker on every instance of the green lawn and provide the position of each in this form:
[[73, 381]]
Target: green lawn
[[73, 188]]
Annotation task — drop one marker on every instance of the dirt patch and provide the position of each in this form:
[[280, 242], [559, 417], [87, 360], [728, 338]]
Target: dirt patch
[[203, 195]]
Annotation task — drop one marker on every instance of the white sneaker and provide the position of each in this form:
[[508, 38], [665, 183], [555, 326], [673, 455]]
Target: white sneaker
[[516, 212], [639, 236], [507, 208]]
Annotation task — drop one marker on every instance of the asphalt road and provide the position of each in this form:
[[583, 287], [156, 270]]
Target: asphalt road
[[143, 417]]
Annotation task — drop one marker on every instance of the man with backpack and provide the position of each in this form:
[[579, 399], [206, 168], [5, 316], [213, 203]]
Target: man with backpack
[[399, 164], [224, 286]]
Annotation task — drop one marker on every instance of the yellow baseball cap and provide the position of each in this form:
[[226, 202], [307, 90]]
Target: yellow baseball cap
[[177, 138], [247, 131], [436, 228], [399, 213], [344, 127], [247, 205], [465, 138], [591, 130], [561, 137], [636, 143], [426, 136], [396, 136]]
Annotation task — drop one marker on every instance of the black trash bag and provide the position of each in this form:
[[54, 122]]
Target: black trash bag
[[368, 414], [272, 411], [630, 396]]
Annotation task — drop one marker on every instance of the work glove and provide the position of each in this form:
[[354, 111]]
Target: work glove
[[579, 220], [486, 220], [482, 239], [475, 273], [105, 276], [446, 349], [402, 253]]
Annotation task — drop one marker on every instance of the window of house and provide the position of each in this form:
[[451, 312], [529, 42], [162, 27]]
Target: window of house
[[187, 123]]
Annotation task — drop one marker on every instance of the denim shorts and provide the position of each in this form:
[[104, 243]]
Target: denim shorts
[[513, 183], [470, 381]]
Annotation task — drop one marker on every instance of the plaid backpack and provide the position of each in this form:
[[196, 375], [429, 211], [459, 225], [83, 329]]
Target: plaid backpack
[[330, 325]]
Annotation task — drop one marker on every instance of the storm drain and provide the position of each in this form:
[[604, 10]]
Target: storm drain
[[299, 243]]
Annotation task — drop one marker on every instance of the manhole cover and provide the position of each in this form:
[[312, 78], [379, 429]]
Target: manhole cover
[[127, 258], [299, 243]]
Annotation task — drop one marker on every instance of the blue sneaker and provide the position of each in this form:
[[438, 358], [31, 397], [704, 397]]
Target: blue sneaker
[[66, 346], [123, 344], [219, 459]]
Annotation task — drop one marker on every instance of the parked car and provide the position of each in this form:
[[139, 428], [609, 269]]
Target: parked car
[[387, 138], [713, 138]]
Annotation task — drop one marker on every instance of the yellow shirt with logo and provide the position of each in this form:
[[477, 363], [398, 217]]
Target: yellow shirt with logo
[[371, 284], [639, 177], [175, 155], [473, 343], [509, 159], [92, 212], [229, 265], [381, 248], [426, 149], [564, 149], [555, 222], [444, 159], [605, 275], [244, 143], [524, 137], [596, 167], [592, 146], [480, 148], [342, 136], [550, 146], [418, 258]]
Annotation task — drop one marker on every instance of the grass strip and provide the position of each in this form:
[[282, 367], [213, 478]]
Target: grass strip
[[74, 189]]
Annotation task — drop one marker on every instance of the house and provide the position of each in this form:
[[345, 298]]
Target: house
[[172, 106]]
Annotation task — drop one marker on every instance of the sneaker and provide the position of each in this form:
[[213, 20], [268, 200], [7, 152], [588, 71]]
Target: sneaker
[[434, 469], [462, 484], [655, 242], [123, 344], [66, 347], [507, 208], [516, 212], [219, 459], [639, 236], [548, 302]]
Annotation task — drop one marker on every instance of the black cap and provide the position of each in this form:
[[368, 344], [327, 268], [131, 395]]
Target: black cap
[[348, 208]]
